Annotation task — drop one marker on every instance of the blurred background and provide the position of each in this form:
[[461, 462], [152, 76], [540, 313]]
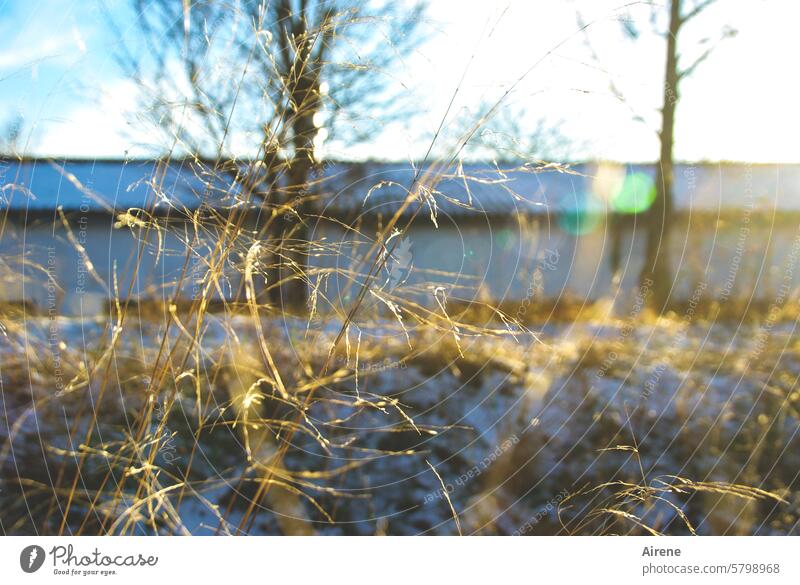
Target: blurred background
[[365, 267]]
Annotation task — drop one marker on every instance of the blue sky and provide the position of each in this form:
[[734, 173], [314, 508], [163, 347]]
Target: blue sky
[[57, 72]]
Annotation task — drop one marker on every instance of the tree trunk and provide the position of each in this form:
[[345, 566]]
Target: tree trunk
[[304, 58], [656, 273], [297, 229]]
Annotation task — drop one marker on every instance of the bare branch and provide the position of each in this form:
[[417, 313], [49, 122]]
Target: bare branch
[[726, 34], [691, 68], [696, 10], [613, 88]]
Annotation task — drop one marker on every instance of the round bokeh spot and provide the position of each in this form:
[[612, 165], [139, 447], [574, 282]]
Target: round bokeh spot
[[505, 239], [581, 218], [636, 194]]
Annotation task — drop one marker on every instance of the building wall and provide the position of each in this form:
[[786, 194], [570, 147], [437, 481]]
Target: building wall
[[43, 266], [742, 256]]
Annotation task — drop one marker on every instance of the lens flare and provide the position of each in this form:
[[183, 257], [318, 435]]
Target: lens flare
[[583, 217], [637, 194]]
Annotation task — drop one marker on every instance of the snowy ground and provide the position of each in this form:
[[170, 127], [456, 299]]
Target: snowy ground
[[511, 428]]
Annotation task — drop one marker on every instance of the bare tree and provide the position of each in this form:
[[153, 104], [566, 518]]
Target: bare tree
[[505, 138], [256, 86], [657, 272], [657, 267], [10, 135]]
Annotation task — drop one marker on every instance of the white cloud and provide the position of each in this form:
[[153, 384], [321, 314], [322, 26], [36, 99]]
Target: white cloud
[[105, 128], [28, 54]]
